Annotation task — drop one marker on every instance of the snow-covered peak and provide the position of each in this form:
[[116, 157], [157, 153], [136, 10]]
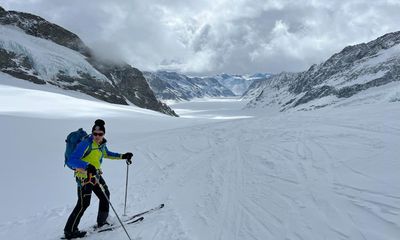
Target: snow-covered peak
[[238, 84], [354, 70], [175, 86], [48, 59], [39, 27]]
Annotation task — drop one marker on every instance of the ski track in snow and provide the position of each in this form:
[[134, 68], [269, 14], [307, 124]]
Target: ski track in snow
[[326, 174], [290, 181]]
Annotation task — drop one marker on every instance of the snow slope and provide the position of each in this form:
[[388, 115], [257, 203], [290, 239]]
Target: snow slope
[[330, 173], [48, 58]]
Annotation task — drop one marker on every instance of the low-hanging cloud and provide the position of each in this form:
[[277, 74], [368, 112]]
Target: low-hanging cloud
[[207, 37]]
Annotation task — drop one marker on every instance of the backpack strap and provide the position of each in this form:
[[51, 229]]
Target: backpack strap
[[88, 150]]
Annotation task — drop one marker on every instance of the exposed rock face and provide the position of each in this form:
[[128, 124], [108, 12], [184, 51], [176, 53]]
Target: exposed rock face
[[36, 50], [125, 78], [345, 74]]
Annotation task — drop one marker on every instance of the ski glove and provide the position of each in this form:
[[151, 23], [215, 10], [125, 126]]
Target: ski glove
[[128, 156], [90, 169]]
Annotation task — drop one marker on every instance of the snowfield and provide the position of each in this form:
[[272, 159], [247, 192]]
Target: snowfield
[[222, 172]]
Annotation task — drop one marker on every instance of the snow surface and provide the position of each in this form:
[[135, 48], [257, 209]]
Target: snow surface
[[331, 173], [48, 58]]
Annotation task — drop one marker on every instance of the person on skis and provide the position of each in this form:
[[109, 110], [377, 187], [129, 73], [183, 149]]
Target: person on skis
[[87, 166]]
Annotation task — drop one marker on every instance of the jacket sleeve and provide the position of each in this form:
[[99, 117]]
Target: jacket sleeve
[[75, 158], [111, 155]]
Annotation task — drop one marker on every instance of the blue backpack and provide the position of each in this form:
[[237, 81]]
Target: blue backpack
[[73, 139]]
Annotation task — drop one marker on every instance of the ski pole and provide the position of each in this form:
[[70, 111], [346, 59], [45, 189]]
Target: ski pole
[[126, 187], [108, 199]]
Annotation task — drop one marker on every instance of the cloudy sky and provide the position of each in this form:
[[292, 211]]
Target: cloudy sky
[[213, 36]]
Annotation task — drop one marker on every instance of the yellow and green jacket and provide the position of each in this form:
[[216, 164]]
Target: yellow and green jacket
[[80, 158]]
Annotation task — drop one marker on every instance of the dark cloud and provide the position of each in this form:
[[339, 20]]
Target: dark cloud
[[204, 36]]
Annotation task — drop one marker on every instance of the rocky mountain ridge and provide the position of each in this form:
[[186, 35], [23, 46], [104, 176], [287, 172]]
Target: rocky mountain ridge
[[345, 74], [176, 86]]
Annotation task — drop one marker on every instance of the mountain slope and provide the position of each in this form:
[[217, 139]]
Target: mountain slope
[[353, 70], [175, 86], [41, 52], [238, 84], [271, 92]]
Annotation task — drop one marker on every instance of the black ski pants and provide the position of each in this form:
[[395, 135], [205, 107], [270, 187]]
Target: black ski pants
[[84, 194]]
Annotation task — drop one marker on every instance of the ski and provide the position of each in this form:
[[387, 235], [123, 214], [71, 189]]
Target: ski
[[130, 220], [146, 212], [111, 228], [133, 219]]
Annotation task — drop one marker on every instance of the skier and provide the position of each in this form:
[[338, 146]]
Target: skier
[[87, 170]]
